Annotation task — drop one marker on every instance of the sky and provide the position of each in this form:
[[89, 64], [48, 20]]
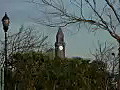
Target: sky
[[77, 43]]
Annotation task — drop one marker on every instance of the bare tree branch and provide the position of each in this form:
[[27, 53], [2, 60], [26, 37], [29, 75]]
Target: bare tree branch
[[24, 41], [66, 18]]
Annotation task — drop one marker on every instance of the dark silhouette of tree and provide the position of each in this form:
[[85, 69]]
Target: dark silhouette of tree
[[25, 40], [70, 74], [105, 53]]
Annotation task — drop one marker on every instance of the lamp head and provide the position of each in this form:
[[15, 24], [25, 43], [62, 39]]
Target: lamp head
[[5, 22]]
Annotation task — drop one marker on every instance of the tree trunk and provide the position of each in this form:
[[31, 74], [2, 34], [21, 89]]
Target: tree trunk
[[118, 86]]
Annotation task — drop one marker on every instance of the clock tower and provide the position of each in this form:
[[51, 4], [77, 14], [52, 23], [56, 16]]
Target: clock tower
[[60, 45]]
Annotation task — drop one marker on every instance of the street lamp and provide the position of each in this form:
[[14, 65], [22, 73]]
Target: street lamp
[[5, 22]]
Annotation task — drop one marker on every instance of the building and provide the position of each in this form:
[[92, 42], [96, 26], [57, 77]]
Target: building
[[60, 45]]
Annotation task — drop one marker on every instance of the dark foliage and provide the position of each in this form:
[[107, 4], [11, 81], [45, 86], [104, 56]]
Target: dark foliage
[[34, 71]]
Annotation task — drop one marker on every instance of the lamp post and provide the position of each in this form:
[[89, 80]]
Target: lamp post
[[5, 22]]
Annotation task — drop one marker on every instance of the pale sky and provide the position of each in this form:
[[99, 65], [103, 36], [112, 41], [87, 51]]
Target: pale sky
[[77, 43]]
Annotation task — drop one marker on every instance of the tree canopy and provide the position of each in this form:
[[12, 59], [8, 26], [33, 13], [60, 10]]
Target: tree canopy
[[34, 70]]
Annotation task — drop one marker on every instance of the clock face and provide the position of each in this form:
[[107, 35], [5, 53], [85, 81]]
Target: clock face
[[61, 47]]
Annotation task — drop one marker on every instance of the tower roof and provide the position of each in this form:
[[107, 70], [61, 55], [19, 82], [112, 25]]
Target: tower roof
[[60, 35]]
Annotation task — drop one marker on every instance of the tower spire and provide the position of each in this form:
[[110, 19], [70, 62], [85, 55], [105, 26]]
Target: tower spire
[[60, 35]]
